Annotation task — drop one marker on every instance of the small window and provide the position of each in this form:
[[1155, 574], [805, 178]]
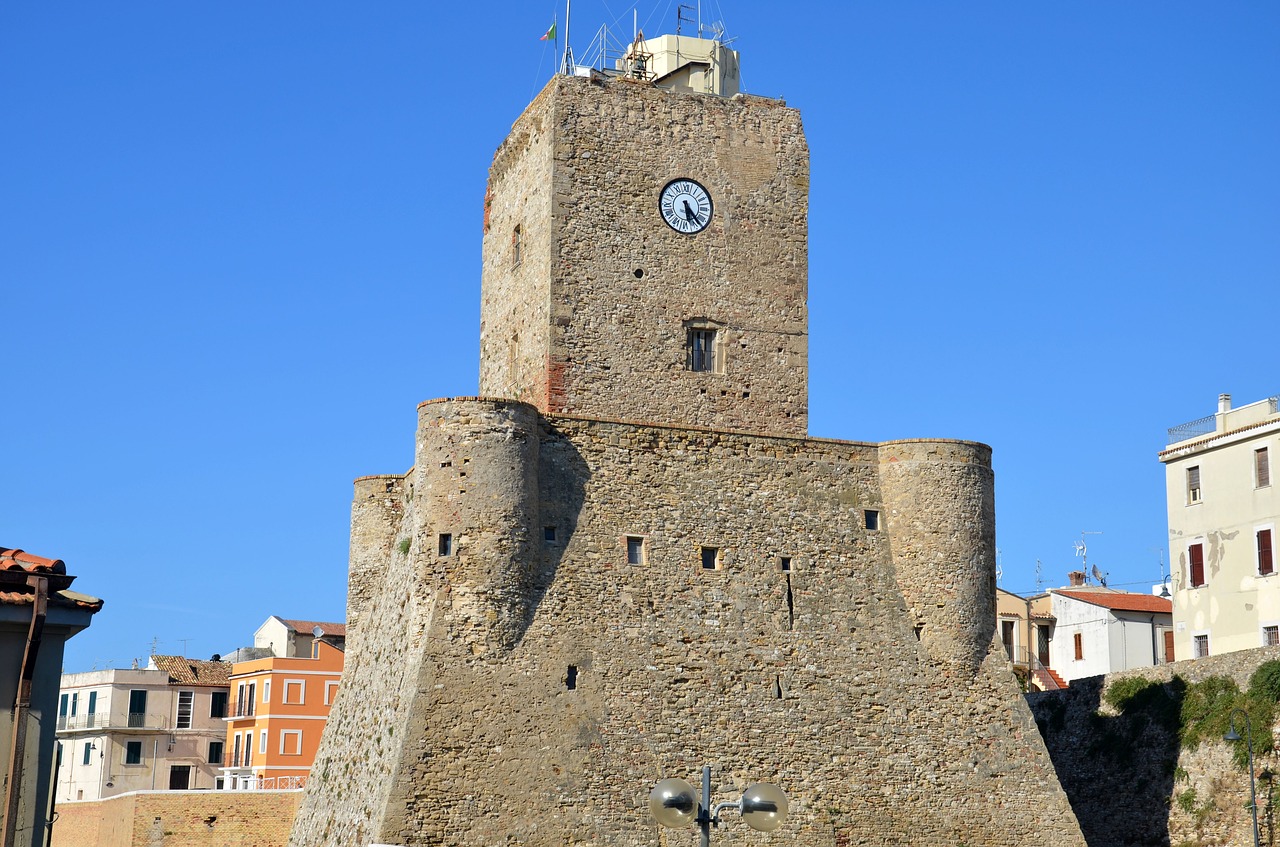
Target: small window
[[295, 692], [1266, 564], [266, 690], [262, 743], [1271, 636], [1193, 484], [1200, 645], [330, 692], [186, 704], [711, 558], [1261, 468], [88, 752], [701, 350], [784, 564], [446, 544], [1195, 559], [133, 753], [1078, 639], [215, 752], [635, 550], [517, 246], [871, 519], [218, 704], [291, 742], [549, 534]]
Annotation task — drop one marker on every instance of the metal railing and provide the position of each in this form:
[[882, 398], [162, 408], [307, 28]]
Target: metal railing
[[103, 720], [1192, 429]]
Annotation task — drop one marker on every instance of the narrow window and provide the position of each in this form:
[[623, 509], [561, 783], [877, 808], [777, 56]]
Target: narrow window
[[1200, 644], [871, 518], [1195, 553], [1193, 484], [75, 700], [186, 703], [1079, 644], [1271, 636], [549, 534], [710, 558], [701, 350], [248, 748], [1265, 563], [330, 692], [93, 706], [262, 743], [1006, 636], [784, 564], [218, 704], [266, 691], [215, 752], [571, 678], [446, 544], [635, 550], [517, 246], [133, 753], [1261, 468], [88, 752], [235, 750], [137, 708]]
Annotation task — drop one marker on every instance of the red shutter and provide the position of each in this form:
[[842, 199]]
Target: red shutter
[[1079, 640], [1196, 552], [1265, 564]]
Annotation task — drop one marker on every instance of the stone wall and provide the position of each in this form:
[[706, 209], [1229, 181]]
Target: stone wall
[[593, 320], [1128, 777], [530, 685], [178, 819]]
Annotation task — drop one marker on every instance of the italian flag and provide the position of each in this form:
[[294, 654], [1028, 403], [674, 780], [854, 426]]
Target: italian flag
[[551, 34]]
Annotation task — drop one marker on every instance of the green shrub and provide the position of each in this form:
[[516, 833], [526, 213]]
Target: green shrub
[[403, 546], [1206, 710], [1265, 682]]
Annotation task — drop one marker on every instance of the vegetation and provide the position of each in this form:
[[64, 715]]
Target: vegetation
[[404, 544]]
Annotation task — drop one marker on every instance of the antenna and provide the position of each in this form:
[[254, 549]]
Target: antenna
[[1100, 576], [1164, 580], [1082, 549], [999, 565], [1039, 577], [155, 642]]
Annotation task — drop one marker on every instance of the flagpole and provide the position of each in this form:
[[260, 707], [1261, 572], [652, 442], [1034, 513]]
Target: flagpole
[[564, 65]]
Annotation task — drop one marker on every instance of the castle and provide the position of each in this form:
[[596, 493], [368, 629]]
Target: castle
[[626, 559]]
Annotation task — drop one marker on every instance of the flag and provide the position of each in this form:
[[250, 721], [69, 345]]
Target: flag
[[551, 34]]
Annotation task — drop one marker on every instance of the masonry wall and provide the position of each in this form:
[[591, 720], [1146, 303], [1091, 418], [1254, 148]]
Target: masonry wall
[[594, 319], [563, 681], [1125, 778], [178, 819], [376, 513]]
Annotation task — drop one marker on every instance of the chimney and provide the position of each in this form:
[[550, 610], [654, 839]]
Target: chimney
[[1076, 578], [1224, 403]]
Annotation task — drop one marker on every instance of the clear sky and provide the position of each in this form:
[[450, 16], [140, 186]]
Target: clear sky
[[239, 242]]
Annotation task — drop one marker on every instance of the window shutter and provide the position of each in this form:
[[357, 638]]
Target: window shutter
[[1196, 553], [1265, 562]]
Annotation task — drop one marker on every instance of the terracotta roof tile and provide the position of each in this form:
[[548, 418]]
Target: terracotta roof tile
[[15, 561], [1122, 601], [338, 630], [184, 671]]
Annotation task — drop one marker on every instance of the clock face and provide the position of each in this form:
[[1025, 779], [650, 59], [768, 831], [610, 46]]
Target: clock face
[[685, 206]]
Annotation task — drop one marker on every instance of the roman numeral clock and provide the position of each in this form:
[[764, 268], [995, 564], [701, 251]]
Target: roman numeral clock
[[685, 206]]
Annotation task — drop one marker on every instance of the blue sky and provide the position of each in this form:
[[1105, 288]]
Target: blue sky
[[239, 242]]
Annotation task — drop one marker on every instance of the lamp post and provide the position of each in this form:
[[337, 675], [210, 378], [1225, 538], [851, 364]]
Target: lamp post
[[1232, 735], [674, 803]]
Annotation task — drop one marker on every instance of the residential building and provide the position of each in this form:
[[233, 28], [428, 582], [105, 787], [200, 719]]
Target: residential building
[[38, 614], [281, 702], [1099, 630], [1024, 626], [1223, 512], [156, 728]]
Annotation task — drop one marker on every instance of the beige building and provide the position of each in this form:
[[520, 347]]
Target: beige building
[[1025, 629], [154, 728], [1223, 512]]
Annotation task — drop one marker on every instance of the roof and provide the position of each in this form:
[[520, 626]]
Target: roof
[[333, 630], [1120, 601], [184, 671], [15, 592]]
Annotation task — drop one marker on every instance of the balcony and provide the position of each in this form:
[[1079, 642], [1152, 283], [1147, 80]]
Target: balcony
[[105, 720]]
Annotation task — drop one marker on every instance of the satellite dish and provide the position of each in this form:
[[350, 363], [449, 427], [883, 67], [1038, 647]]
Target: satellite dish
[[317, 631], [1100, 576]]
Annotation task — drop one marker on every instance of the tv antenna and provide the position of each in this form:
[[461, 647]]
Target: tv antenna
[[999, 565], [1164, 580], [1082, 550], [1039, 577]]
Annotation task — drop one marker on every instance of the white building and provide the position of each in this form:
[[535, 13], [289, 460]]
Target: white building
[[1100, 630], [1223, 512], [160, 727]]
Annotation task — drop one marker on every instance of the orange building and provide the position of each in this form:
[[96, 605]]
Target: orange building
[[281, 692]]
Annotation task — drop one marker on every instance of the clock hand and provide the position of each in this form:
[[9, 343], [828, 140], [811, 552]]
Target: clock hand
[[689, 214]]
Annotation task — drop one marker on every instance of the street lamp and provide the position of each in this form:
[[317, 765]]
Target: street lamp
[[1232, 735], [674, 803]]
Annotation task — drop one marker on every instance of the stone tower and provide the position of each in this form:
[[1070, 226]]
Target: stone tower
[[592, 304], [628, 560]]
